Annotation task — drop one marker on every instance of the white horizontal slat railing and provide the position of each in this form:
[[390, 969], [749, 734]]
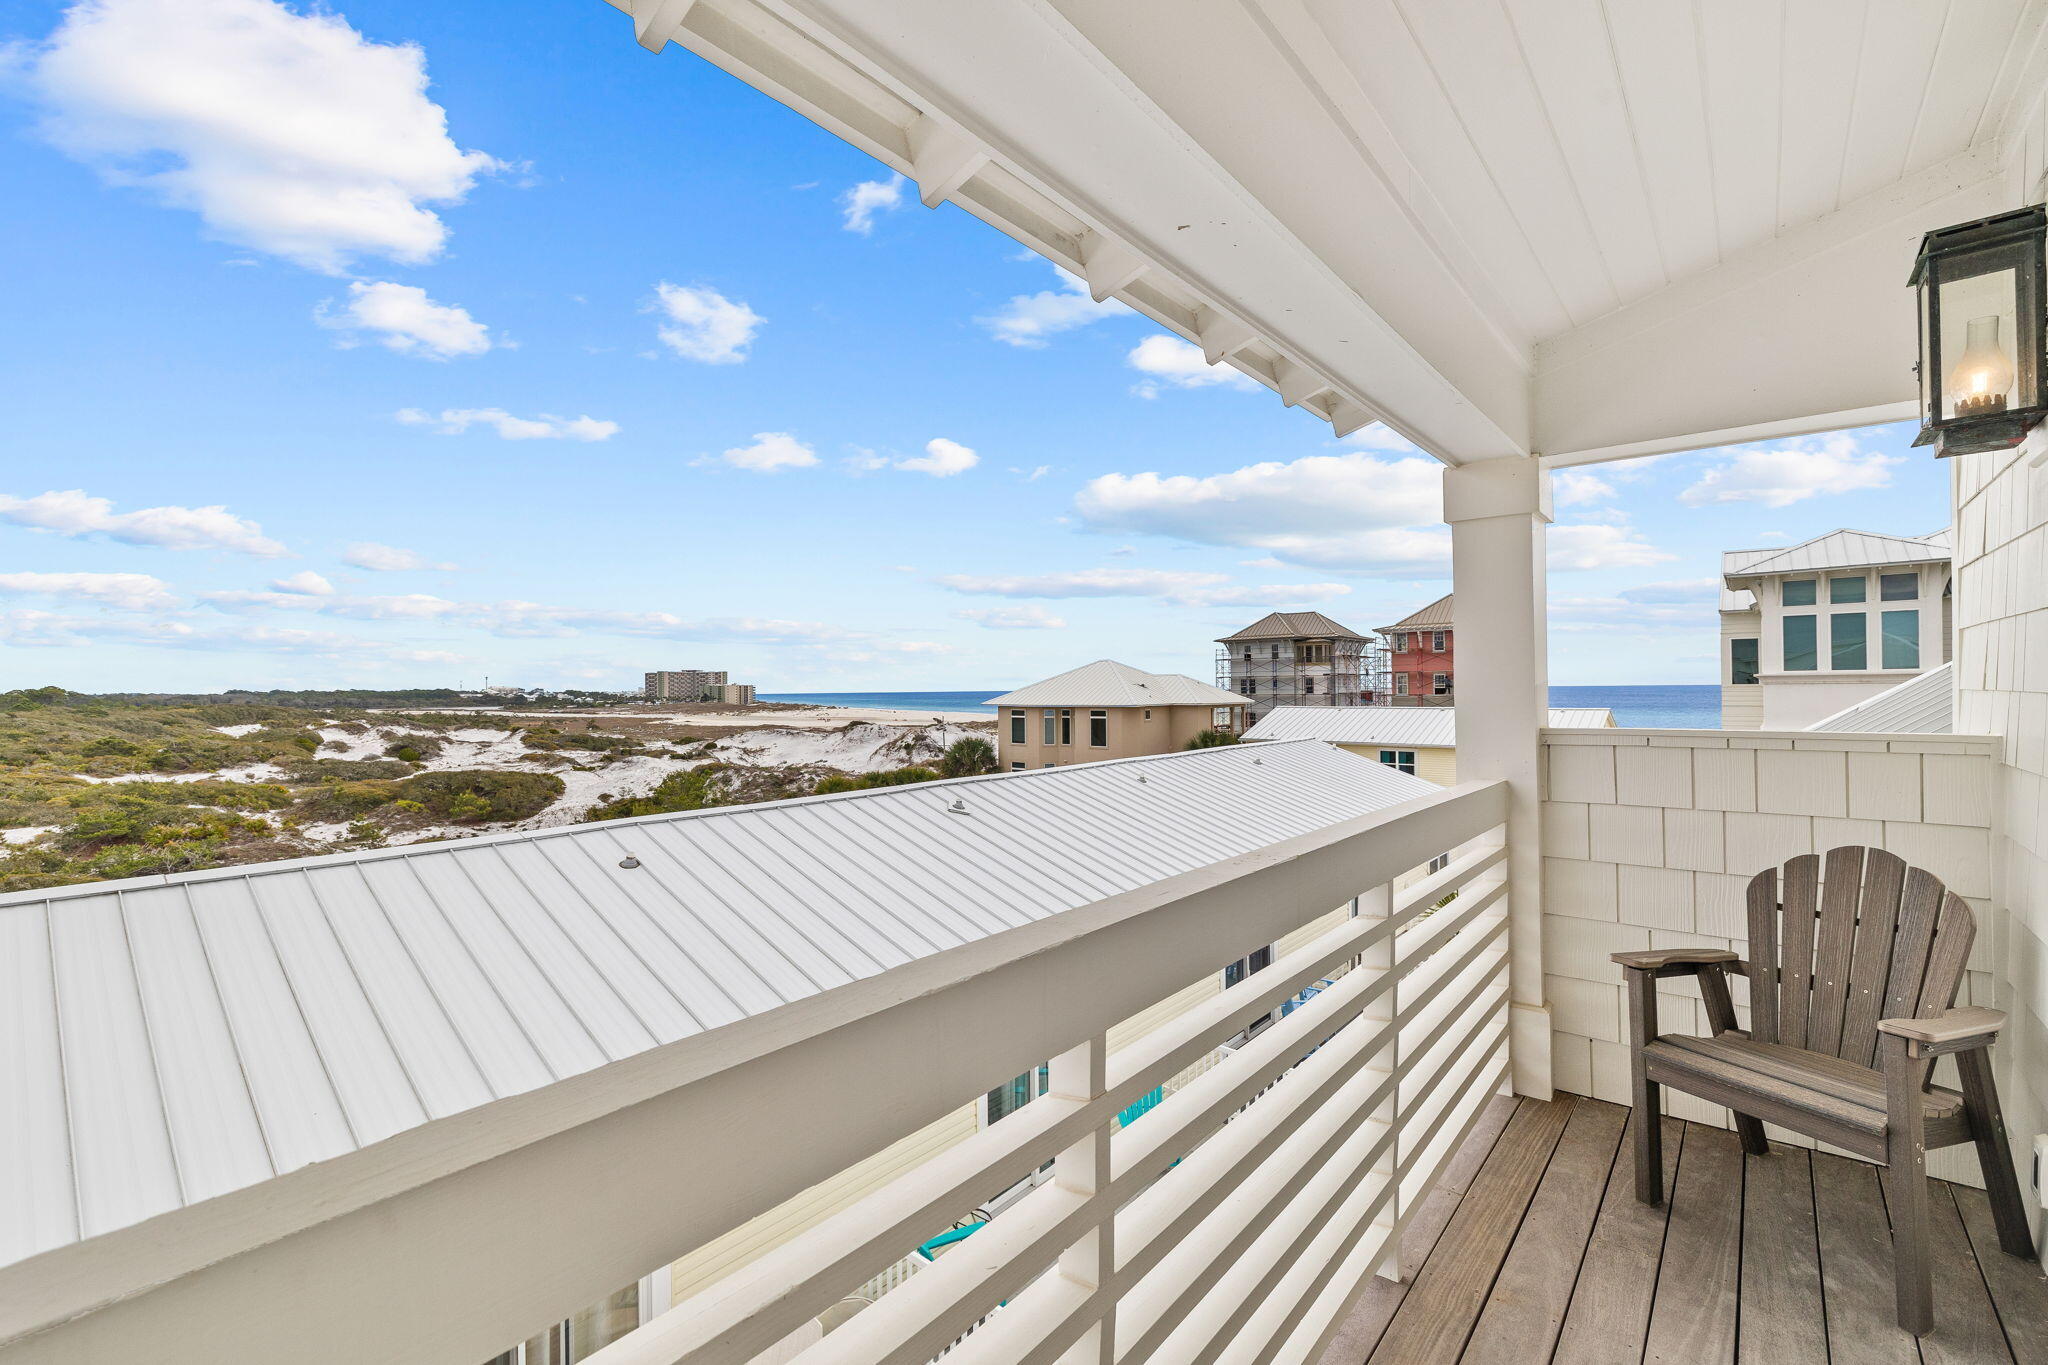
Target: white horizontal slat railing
[[1240, 1217]]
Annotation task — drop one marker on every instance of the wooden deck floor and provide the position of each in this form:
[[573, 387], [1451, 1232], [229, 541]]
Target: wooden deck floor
[[1534, 1249]]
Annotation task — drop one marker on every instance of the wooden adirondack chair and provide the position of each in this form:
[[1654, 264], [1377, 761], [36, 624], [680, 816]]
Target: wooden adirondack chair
[[1853, 968]]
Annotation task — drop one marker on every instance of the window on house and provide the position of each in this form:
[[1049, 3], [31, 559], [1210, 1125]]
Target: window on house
[[1016, 727], [1400, 684], [1016, 767], [1308, 686], [1251, 687], [1148, 715], [1800, 644], [1440, 684], [1098, 729], [1247, 653], [1048, 765], [1898, 587], [1439, 862], [1403, 759], [1436, 641], [1260, 959], [1848, 632], [1742, 661], [1901, 648], [1052, 727], [1275, 651], [1798, 592], [1400, 642], [1013, 1094], [1066, 727], [1848, 589]]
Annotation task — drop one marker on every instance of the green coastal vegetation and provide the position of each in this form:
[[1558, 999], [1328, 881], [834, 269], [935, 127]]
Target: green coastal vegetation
[[98, 787]]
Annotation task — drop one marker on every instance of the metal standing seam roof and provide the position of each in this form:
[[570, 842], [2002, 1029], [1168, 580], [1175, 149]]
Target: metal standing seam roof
[[1292, 625], [166, 1040], [1840, 549], [1109, 683], [1436, 616], [1424, 727], [1921, 705]]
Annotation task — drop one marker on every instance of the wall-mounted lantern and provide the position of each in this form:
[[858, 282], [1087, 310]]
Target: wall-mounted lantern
[[1983, 294]]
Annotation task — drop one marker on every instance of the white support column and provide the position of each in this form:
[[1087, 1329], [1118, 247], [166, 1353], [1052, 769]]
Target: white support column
[[1497, 510]]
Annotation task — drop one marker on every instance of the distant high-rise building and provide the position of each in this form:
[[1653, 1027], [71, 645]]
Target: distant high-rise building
[[1295, 658], [685, 684], [737, 694]]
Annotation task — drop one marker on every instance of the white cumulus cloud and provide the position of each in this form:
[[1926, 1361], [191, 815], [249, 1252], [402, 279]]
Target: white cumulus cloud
[[76, 513], [1011, 618], [1169, 362], [1351, 512], [705, 325], [771, 452], [862, 202], [286, 131], [126, 591], [1573, 486], [1028, 319], [1183, 587], [942, 459], [368, 554], [1600, 545], [306, 583], [403, 318], [1780, 475], [545, 427]]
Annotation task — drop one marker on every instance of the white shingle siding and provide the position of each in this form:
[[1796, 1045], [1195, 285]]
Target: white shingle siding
[[1650, 838]]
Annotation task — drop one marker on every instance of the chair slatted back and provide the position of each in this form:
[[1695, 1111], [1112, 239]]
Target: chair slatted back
[[1840, 941]]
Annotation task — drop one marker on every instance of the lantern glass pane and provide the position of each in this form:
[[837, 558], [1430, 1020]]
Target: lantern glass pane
[[1979, 335]]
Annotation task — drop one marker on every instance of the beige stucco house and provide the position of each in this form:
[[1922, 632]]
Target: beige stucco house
[[1415, 739], [1108, 710]]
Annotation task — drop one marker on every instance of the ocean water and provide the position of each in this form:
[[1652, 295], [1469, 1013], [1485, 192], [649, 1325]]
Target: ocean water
[[1674, 707]]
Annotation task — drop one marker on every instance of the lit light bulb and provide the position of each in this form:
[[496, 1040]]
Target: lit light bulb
[[1982, 375]]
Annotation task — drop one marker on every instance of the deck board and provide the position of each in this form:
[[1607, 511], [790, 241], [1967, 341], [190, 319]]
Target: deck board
[[2018, 1288], [1702, 1256], [1781, 1317], [1526, 1309], [1533, 1248], [1437, 1314]]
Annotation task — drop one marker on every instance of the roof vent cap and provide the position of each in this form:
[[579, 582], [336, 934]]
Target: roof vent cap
[[629, 862], [959, 807]]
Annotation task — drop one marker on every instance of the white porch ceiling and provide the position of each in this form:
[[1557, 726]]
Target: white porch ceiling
[[1433, 211]]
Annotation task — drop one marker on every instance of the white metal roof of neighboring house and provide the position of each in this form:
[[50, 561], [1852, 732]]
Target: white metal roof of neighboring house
[[1109, 683], [1921, 705], [166, 1040], [1843, 549], [1423, 727]]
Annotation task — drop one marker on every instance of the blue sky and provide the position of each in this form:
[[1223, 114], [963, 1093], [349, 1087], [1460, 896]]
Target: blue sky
[[375, 346]]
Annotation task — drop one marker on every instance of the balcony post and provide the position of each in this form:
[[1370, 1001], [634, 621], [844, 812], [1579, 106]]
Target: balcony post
[[1497, 510]]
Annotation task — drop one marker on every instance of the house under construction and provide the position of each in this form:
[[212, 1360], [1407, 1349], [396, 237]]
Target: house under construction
[[1301, 658]]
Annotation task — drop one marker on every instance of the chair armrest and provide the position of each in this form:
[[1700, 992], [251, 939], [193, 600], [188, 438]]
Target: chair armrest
[[1956, 1030], [1676, 961]]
